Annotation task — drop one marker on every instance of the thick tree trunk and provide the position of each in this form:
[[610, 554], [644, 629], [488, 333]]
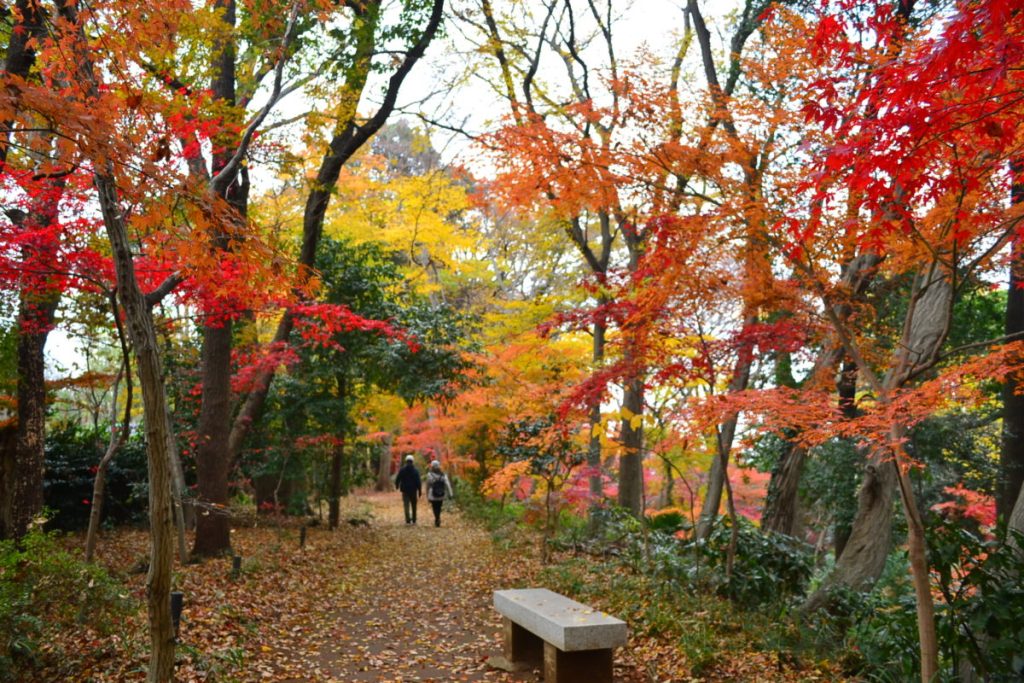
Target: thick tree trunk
[[866, 550], [384, 466], [596, 477], [23, 499], [37, 303], [213, 524], [780, 513], [213, 461], [631, 482], [1011, 456]]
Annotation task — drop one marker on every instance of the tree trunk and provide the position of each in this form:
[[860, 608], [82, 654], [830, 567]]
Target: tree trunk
[[337, 459], [23, 499], [142, 332], [184, 510], [866, 550], [1011, 456], [117, 437], [213, 524], [847, 389], [781, 505], [384, 466], [596, 477], [37, 304], [213, 461], [917, 552], [19, 58], [631, 482], [720, 463], [143, 335]]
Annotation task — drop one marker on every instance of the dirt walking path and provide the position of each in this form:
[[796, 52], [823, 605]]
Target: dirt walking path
[[413, 603]]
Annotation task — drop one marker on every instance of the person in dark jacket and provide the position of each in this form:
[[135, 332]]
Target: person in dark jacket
[[438, 488], [409, 483]]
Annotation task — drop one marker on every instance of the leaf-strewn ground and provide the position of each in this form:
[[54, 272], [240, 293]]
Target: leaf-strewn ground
[[380, 601]]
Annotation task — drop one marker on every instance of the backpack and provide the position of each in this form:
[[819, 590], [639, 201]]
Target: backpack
[[437, 489]]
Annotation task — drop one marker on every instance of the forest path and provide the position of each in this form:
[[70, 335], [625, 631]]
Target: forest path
[[412, 602]]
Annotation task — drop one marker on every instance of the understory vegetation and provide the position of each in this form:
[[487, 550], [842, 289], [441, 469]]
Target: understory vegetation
[[714, 602]]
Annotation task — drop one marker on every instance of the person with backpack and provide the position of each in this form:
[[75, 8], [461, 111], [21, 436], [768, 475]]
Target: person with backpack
[[409, 483], [438, 488]]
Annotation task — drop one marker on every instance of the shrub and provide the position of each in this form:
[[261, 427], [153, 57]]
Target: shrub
[[668, 520], [768, 567], [72, 455], [45, 589]]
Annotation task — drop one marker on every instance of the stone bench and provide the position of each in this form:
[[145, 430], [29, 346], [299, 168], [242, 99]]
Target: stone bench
[[573, 641]]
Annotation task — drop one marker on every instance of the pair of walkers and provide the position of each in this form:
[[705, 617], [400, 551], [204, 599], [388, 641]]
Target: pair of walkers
[[409, 482]]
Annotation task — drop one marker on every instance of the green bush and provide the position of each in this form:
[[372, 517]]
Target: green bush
[[44, 589], [72, 455], [767, 567], [978, 619]]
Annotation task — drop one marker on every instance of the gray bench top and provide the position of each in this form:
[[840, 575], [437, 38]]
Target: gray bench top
[[566, 624]]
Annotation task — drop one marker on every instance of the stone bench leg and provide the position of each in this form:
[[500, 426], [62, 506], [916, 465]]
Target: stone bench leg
[[583, 666], [521, 645]]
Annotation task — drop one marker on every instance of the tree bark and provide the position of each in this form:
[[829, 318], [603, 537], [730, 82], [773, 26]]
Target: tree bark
[[213, 462], [781, 504], [213, 524], [23, 498], [596, 477], [720, 463], [337, 460], [1011, 455], [631, 483], [143, 335], [117, 437], [631, 463], [866, 550], [384, 466]]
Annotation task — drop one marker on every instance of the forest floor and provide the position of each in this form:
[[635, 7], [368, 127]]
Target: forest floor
[[375, 600]]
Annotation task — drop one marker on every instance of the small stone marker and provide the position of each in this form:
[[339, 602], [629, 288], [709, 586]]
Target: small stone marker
[[574, 641]]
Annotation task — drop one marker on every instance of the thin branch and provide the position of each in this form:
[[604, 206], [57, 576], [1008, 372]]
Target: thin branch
[[226, 175]]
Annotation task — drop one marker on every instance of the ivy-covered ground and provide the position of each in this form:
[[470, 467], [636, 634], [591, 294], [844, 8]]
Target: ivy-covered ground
[[380, 601]]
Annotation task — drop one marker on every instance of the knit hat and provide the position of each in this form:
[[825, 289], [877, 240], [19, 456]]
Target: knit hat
[[409, 458]]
